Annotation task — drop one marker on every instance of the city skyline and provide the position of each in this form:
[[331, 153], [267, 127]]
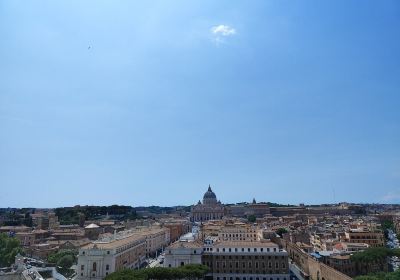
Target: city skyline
[[195, 202], [107, 103]]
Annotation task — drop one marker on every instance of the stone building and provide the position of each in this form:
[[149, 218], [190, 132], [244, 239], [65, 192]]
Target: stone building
[[232, 260], [374, 238], [257, 260], [210, 209], [231, 230], [182, 253], [100, 258]]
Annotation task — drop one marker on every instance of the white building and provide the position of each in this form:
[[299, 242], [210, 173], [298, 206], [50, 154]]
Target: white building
[[100, 258], [182, 253]]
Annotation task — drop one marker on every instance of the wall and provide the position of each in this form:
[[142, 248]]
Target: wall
[[316, 270]]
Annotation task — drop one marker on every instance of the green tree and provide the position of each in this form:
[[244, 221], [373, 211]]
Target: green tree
[[66, 261], [372, 257], [252, 218], [55, 258], [380, 276], [281, 231], [191, 271], [9, 248]]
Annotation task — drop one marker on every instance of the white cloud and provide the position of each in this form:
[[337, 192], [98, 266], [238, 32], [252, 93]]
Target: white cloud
[[221, 32]]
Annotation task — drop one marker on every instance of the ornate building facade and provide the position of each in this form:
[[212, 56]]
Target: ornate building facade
[[210, 209]]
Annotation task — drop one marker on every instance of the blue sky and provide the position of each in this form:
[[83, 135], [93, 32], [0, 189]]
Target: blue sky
[[117, 102]]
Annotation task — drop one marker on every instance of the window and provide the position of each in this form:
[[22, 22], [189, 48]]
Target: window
[[94, 266], [82, 267], [108, 252], [195, 252], [107, 267], [81, 274], [83, 252], [182, 263]]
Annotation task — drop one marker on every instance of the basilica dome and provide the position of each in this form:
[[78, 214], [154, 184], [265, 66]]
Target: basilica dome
[[209, 197], [210, 209], [209, 194]]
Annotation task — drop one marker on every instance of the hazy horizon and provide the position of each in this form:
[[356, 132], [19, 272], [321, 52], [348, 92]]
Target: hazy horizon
[[114, 102]]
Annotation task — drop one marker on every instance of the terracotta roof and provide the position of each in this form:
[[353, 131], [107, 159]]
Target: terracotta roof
[[246, 244], [113, 244]]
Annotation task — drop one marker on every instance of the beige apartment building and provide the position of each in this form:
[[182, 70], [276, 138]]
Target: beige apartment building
[[231, 230], [372, 238], [156, 238], [238, 231], [100, 258]]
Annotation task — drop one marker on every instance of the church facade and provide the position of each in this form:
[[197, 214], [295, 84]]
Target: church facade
[[210, 209]]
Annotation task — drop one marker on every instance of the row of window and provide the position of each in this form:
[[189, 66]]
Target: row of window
[[250, 278], [249, 257], [128, 246], [250, 264], [238, 234], [248, 249]]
